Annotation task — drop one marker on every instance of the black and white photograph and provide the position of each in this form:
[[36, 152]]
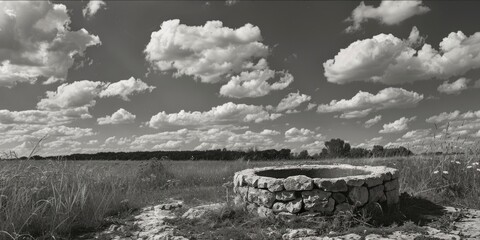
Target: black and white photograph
[[239, 119]]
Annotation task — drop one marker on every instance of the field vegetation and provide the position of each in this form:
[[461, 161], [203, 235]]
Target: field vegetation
[[45, 199]]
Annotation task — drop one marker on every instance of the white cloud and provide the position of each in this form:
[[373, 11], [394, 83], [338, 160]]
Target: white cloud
[[92, 8], [71, 95], [454, 87], [370, 143], [204, 52], [292, 101], [169, 145], [370, 122], [213, 138], [311, 106], [396, 126], [82, 94], [313, 147], [213, 53], [124, 88], [42, 116], [38, 42], [118, 117], [231, 2], [363, 103], [223, 114], [389, 13], [453, 116], [255, 83], [303, 135], [390, 60]]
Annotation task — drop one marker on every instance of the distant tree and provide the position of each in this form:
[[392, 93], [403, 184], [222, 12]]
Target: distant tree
[[377, 151], [359, 153], [303, 155], [337, 148]]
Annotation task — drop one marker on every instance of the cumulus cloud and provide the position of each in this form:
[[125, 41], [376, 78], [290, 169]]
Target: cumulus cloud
[[37, 42], [311, 106], [370, 122], [388, 13], [387, 59], [453, 116], [71, 95], [213, 138], [213, 53], [83, 93], [301, 135], [204, 52], [255, 83], [92, 8], [223, 114], [292, 101], [454, 87], [118, 117], [364, 103], [396, 126], [313, 147], [125, 88]]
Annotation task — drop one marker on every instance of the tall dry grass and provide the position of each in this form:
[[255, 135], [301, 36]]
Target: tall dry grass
[[55, 199]]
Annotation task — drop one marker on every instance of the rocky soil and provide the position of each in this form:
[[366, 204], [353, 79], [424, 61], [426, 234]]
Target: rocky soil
[[150, 223]]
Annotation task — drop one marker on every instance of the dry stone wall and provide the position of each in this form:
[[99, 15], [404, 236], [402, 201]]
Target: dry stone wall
[[301, 193]]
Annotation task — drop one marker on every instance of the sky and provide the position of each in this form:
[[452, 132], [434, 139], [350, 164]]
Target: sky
[[97, 76]]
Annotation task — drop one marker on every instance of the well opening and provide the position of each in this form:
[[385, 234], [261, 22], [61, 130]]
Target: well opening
[[312, 173]]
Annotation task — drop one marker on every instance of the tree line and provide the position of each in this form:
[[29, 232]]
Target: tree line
[[335, 148]]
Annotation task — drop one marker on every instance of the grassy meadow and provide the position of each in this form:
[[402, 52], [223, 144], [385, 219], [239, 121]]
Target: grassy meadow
[[60, 199]]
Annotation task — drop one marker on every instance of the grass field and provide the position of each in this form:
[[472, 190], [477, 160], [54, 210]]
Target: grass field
[[45, 199]]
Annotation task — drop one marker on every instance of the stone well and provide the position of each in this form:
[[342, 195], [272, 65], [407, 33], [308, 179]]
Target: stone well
[[325, 189]]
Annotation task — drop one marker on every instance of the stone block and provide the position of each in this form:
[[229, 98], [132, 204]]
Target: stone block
[[376, 194], [298, 183], [264, 212], [285, 195], [243, 192], [339, 197], [354, 182], [358, 196], [272, 184], [279, 207], [331, 185], [251, 180], [343, 207], [392, 197], [295, 206], [316, 198], [392, 185], [374, 181]]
